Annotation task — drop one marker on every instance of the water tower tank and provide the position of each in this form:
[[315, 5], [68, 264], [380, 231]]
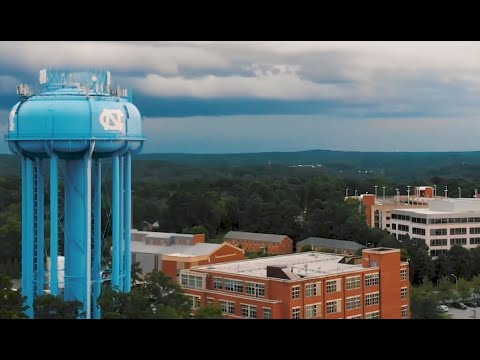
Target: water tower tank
[[79, 121]]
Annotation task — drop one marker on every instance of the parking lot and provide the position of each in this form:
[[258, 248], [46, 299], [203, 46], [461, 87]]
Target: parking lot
[[469, 313]]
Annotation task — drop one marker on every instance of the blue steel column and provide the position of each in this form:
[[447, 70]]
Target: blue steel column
[[87, 172], [120, 223], [27, 238], [53, 224], [97, 239], [128, 222], [40, 270], [115, 222], [75, 234]]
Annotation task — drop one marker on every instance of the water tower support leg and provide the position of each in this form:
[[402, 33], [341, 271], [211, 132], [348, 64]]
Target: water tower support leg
[[115, 223], [39, 224], [54, 224], [120, 224], [128, 222], [97, 232], [27, 234]]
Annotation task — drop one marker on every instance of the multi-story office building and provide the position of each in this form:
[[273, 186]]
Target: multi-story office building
[[446, 222], [310, 285]]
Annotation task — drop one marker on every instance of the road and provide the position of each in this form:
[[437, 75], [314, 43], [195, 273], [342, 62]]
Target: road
[[464, 314]]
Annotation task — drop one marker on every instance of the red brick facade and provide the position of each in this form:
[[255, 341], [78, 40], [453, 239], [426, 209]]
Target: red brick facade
[[283, 247], [370, 291]]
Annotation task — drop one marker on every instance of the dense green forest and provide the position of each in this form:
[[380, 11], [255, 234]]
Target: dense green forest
[[257, 193]]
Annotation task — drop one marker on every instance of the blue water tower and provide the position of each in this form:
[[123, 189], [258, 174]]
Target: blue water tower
[[75, 123]]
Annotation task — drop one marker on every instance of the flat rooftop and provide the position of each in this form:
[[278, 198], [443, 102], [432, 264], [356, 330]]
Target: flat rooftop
[[175, 250], [307, 264], [453, 206]]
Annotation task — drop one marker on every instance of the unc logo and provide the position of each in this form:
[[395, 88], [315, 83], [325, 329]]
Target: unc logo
[[12, 120], [112, 120]]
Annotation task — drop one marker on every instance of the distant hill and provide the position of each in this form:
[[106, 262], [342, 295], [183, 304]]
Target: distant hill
[[393, 165]]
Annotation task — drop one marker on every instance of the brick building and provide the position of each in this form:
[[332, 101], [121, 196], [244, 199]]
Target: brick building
[[171, 253], [257, 242], [305, 285], [337, 246]]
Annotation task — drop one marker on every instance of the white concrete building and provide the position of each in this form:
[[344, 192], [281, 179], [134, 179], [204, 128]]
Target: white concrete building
[[446, 222]]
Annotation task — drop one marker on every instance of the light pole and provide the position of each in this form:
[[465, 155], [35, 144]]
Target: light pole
[[408, 194], [459, 192], [446, 191], [375, 186], [383, 187], [434, 191], [456, 280], [398, 195], [356, 193], [346, 193]]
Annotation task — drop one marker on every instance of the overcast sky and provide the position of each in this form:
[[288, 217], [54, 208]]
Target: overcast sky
[[214, 97]]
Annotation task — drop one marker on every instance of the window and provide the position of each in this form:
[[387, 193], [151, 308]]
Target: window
[[333, 307], [403, 293], [458, 231], [438, 242], [194, 301], [403, 274], [419, 220], [404, 311], [192, 281], [373, 315], [402, 227], [401, 217], [475, 230], [210, 301], [332, 286], [355, 317], [372, 299], [353, 303], [311, 289], [437, 252], [438, 232], [234, 285], [296, 313], [249, 311], [267, 313], [353, 282], [256, 289], [394, 226], [459, 241], [228, 307], [295, 292], [312, 311], [418, 231], [403, 237], [217, 282], [475, 241], [371, 279]]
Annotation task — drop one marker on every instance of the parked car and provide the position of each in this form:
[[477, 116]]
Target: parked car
[[472, 304], [443, 308], [459, 306]]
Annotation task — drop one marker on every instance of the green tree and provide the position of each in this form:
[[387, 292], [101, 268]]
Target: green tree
[[421, 265], [11, 301], [461, 261], [200, 229], [162, 291], [209, 312], [423, 304], [464, 289], [476, 286], [445, 289], [306, 248], [55, 307], [132, 305]]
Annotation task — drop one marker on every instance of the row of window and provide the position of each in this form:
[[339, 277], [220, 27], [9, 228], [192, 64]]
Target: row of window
[[311, 311], [247, 311], [401, 217], [353, 282], [251, 288], [418, 231], [403, 227], [437, 221], [459, 241], [437, 252], [191, 281]]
